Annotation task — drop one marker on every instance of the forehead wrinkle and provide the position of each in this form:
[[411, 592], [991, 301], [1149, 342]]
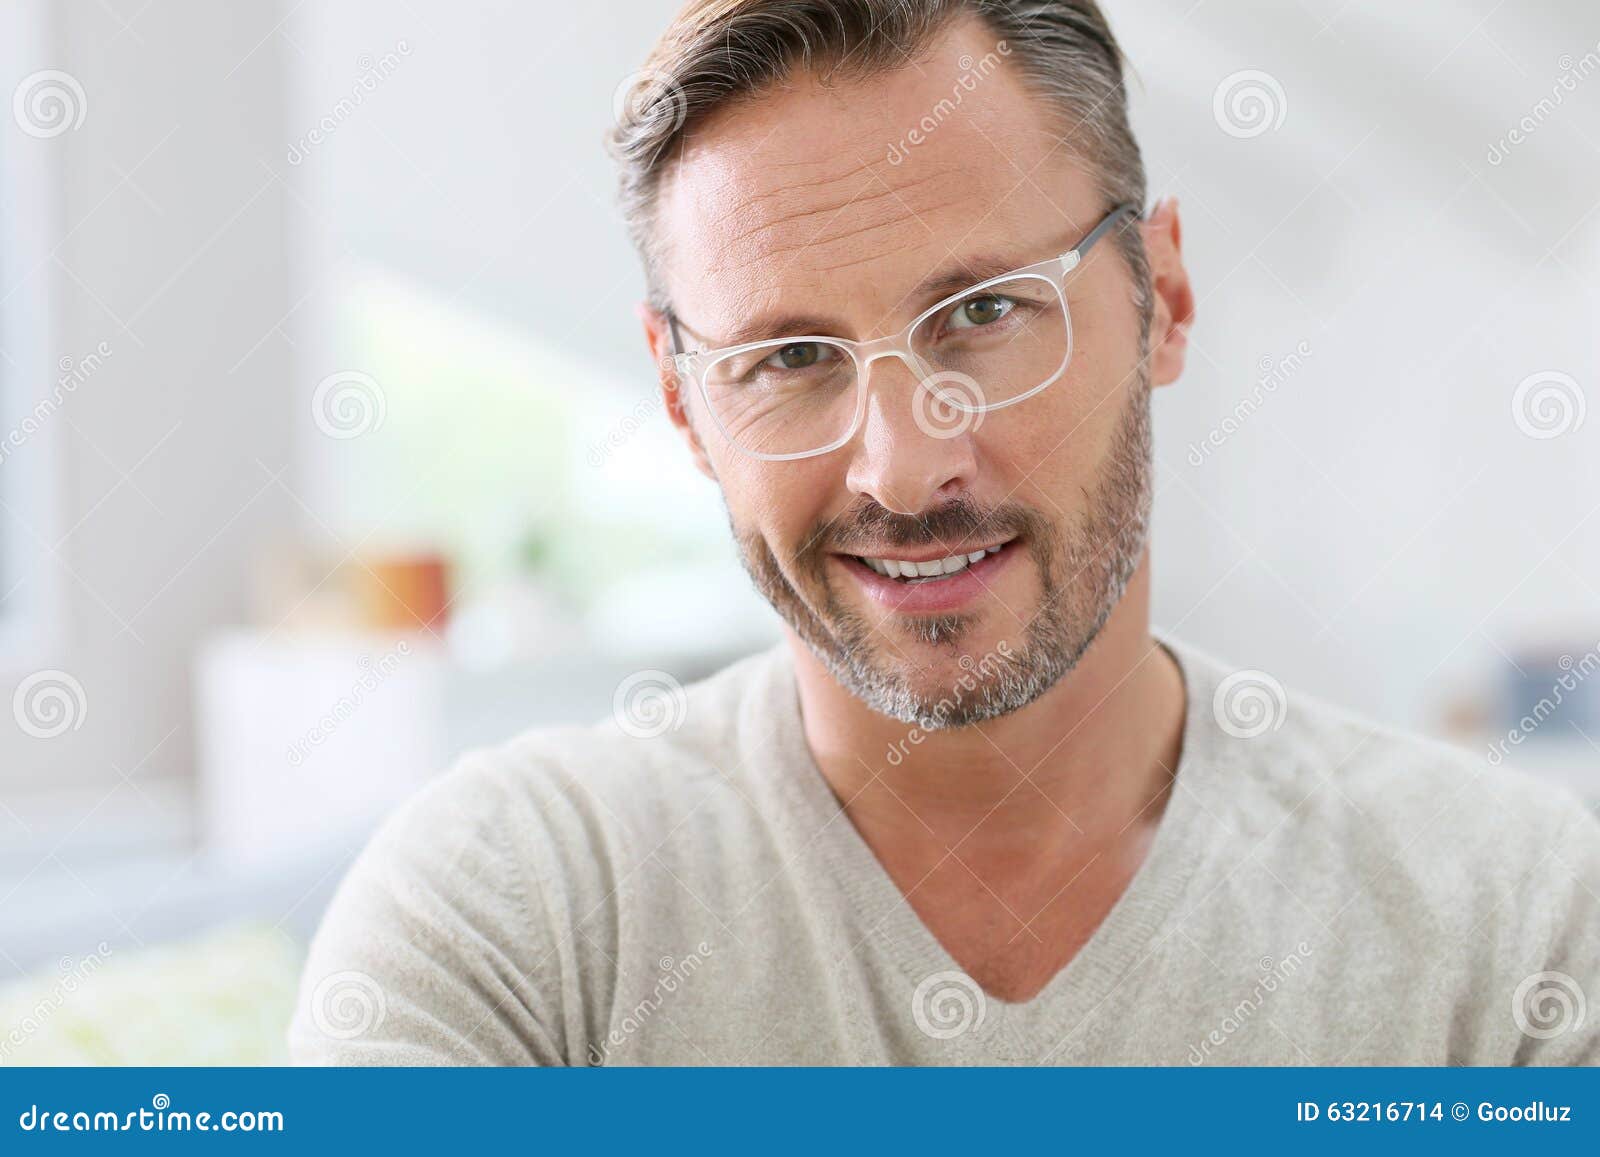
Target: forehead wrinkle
[[832, 210]]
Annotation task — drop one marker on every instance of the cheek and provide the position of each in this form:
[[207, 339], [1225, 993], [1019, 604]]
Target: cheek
[[1054, 443], [783, 502]]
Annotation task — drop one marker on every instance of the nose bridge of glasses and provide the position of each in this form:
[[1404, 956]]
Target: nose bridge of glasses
[[893, 346]]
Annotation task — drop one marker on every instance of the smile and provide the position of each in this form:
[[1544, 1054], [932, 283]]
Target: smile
[[931, 586], [931, 570]]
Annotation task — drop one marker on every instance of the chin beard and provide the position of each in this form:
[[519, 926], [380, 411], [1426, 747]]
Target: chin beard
[[1083, 569]]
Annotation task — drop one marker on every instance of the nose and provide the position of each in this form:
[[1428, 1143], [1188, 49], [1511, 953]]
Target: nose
[[913, 451]]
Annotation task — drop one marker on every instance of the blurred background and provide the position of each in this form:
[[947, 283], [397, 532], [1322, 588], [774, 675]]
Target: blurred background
[[329, 446]]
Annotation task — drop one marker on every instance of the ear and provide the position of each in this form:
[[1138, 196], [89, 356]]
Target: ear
[[1174, 297], [673, 394]]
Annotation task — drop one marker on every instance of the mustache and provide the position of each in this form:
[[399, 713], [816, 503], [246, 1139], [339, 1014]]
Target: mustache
[[867, 525]]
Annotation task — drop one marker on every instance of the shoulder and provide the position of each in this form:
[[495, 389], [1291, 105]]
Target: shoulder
[[1413, 821], [666, 749], [484, 909]]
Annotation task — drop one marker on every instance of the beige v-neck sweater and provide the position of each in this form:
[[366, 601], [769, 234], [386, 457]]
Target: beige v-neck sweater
[[1324, 892]]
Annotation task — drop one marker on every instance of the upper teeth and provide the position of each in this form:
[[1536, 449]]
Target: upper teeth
[[894, 568]]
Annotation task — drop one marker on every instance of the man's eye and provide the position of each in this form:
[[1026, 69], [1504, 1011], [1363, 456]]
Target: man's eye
[[985, 309], [799, 355]]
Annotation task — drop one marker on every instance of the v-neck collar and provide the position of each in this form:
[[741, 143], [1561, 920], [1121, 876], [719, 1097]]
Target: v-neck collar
[[1038, 1030]]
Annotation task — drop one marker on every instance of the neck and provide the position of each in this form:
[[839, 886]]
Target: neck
[[1093, 755]]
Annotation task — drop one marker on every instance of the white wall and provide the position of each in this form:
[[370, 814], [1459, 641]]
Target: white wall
[[165, 240]]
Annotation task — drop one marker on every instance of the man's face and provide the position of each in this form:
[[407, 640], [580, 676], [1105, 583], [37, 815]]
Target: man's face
[[790, 208]]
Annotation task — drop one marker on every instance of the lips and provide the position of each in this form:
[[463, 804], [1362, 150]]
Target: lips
[[929, 593]]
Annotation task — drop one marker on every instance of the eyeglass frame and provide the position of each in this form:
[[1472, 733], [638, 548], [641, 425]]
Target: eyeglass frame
[[692, 364]]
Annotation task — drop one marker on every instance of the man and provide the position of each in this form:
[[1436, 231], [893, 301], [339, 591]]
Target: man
[[908, 313]]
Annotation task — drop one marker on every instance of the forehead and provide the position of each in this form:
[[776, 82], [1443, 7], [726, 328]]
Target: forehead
[[847, 195]]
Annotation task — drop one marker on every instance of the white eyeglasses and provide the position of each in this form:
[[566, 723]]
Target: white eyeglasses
[[996, 344]]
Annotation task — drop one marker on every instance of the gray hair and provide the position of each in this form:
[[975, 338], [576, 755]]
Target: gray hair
[[718, 51]]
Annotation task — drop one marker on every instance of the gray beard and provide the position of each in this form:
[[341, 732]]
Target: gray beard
[[1098, 555]]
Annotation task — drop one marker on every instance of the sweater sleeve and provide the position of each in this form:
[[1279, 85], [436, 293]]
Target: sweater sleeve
[[1556, 1007], [431, 952]]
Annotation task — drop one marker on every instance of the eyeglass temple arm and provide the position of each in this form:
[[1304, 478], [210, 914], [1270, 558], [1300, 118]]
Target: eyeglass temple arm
[[672, 329], [1112, 219]]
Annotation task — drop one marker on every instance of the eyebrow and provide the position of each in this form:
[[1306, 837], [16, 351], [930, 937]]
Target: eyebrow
[[935, 287]]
